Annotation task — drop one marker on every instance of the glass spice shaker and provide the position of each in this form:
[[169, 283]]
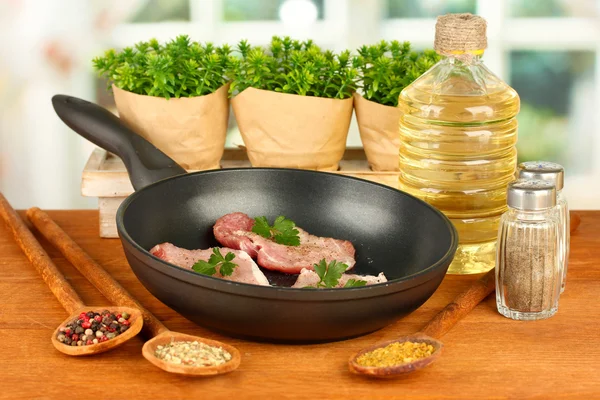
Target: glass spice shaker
[[528, 270], [554, 173]]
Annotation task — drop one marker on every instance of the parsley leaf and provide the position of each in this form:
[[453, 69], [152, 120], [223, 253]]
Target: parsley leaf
[[204, 268], [355, 283], [216, 259], [283, 230], [330, 274]]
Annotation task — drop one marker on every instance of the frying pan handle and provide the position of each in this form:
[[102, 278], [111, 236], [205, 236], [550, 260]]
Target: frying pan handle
[[144, 162]]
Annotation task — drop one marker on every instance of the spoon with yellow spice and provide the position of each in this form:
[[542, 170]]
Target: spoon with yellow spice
[[410, 353], [400, 356]]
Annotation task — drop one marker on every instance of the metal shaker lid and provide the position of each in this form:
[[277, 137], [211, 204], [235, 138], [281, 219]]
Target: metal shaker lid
[[543, 170], [531, 195]]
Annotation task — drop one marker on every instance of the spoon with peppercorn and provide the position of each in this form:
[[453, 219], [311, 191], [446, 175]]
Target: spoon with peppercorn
[[93, 330], [88, 330], [410, 353], [171, 351]]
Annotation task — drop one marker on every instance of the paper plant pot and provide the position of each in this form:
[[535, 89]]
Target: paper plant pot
[[292, 131], [190, 130], [379, 128]]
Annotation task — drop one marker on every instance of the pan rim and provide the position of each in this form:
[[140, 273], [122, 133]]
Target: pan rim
[[408, 281]]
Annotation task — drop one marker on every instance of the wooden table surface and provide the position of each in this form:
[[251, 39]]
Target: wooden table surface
[[486, 355]]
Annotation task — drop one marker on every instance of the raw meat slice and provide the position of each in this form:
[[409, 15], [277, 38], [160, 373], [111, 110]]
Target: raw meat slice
[[246, 271], [231, 230], [310, 278], [235, 230]]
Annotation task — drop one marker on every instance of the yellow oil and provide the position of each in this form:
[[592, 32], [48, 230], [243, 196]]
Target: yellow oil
[[458, 136]]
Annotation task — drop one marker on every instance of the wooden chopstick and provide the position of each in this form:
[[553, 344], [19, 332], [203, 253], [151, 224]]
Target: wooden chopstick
[[36, 254]]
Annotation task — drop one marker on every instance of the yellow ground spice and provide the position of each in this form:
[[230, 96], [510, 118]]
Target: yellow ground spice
[[395, 353]]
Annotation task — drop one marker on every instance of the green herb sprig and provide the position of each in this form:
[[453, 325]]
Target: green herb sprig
[[179, 68], [388, 67], [330, 275], [283, 230], [216, 259], [292, 66]]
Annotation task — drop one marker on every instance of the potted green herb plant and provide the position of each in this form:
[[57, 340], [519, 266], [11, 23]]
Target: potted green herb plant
[[173, 94], [293, 103], [385, 69]]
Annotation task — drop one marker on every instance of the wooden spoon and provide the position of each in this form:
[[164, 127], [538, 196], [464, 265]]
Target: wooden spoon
[[63, 291], [430, 333], [112, 290], [438, 326]]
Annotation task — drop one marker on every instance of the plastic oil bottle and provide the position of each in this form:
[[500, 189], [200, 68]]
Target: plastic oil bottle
[[458, 135]]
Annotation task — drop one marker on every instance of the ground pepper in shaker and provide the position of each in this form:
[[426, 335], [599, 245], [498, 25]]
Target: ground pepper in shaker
[[554, 173], [528, 270]]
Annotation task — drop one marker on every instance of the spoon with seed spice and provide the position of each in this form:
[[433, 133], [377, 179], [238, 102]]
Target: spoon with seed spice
[[171, 351], [66, 338], [401, 356]]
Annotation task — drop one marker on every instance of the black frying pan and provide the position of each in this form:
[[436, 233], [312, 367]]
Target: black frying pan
[[408, 240]]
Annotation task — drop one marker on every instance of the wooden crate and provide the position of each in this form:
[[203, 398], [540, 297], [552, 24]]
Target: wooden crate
[[106, 178]]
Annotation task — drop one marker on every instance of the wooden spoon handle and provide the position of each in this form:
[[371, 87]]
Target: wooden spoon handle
[[36, 254], [461, 306], [106, 284]]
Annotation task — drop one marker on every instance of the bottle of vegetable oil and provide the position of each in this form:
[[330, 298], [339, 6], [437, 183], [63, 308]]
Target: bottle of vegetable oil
[[458, 135]]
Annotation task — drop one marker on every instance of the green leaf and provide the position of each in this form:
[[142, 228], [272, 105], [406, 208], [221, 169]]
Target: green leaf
[[283, 230], [227, 268], [329, 274], [204, 268], [355, 283], [215, 260], [262, 227], [321, 269], [334, 273]]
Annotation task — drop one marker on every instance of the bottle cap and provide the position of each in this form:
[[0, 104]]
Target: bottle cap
[[543, 170], [531, 195], [460, 35]]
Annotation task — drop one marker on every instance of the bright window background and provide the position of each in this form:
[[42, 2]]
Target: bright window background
[[548, 50]]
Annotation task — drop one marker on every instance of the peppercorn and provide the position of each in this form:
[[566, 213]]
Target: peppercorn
[[111, 335], [126, 315], [79, 322], [79, 330], [86, 325], [123, 328], [75, 337], [61, 338], [73, 343], [90, 314], [80, 343], [103, 339], [99, 334], [67, 341], [89, 342], [95, 326]]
